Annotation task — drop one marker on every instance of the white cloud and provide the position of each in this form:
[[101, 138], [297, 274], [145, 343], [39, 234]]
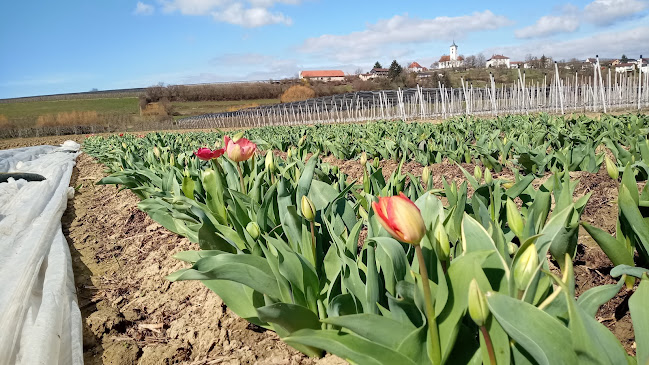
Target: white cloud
[[143, 9], [605, 44], [606, 12], [394, 35], [549, 25], [248, 13], [251, 17]]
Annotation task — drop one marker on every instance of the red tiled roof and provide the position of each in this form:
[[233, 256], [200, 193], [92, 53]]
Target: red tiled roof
[[460, 58], [414, 65], [445, 58], [516, 62], [625, 64], [499, 57], [323, 73]]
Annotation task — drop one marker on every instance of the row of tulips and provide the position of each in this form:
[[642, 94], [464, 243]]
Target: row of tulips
[[467, 281]]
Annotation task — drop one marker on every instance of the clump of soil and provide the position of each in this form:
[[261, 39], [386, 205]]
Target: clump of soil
[[131, 314]]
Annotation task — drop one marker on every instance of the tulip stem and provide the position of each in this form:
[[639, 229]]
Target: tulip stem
[[490, 346], [313, 242], [243, 186], [430, 309]]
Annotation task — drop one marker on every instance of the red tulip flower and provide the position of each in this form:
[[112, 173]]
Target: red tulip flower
[[121, 134], [401, 218], [207, 154], [240, 150]]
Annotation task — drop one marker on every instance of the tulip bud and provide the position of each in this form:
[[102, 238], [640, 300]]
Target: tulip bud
[[512, 248], [611, 168], [336, 186], [505, 140], [363, 159], [508, 185], [289, 153], [443, 246], [514, 219], [525, 267], [237, 137], [425, 175], [124, 145], [487, 176], [477, 173], [270, 162], [308, 210], [253, 230], [300, 143], [156, 152], [478, 308], [401, 218], [172, 159], [376, 163]]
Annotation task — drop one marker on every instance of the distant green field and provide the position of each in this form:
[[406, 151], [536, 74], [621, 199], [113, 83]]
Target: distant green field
[[32, 109], [202, 107]]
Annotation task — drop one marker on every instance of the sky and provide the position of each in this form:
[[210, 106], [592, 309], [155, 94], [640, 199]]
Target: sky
[[52, 47]]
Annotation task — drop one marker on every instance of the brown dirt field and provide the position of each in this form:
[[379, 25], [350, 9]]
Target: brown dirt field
[[131, 314]]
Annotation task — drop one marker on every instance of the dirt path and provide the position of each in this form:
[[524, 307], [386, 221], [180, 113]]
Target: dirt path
[[131, 314]]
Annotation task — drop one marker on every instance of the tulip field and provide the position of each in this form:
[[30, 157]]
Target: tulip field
[[403, 267]]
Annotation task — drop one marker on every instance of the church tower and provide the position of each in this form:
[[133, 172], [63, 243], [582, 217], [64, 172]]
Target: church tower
[[453, 52]]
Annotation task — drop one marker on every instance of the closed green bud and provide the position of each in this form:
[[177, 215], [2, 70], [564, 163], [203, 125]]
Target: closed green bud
[[425, 175], [124, 145], [443, 246], [156, 152], [478, 308], [253, 230], [300, 143], [514, 219], [525, 267], [487, 176], [270, 161], [376, 163], [334, 169], [172, 159], [363, 158], [512, 248], [289, 153], [611, 168], [308, 210], [237, 136], [477, 173]]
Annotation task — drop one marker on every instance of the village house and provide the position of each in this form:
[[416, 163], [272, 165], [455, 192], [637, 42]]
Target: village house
[[416, 67], [379, 71], [323, 75], [451, 60], [498, 60], [625, 67]]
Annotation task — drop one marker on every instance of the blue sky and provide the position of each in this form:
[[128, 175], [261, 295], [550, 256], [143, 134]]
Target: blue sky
[[50, 47]]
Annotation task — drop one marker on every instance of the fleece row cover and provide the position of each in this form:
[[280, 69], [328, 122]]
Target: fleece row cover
[[40, 321]]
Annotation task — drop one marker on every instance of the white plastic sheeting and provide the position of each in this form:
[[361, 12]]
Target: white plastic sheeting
[[40, 321]]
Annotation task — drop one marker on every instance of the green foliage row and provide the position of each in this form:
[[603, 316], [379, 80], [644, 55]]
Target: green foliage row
[[302, 273]]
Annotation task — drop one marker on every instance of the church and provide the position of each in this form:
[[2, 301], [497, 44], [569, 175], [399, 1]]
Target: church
[[452, 60]]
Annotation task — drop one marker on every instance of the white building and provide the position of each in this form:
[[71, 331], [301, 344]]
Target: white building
[[416, 67], [323, 75], [625, 67], [498, 60], [451, 60]]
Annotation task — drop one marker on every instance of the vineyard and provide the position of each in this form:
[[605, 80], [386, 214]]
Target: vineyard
[[411, 243], [599, 93]]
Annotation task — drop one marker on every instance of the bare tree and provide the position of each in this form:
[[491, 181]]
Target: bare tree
[[471, 61], [480, 60], [358, 71]]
